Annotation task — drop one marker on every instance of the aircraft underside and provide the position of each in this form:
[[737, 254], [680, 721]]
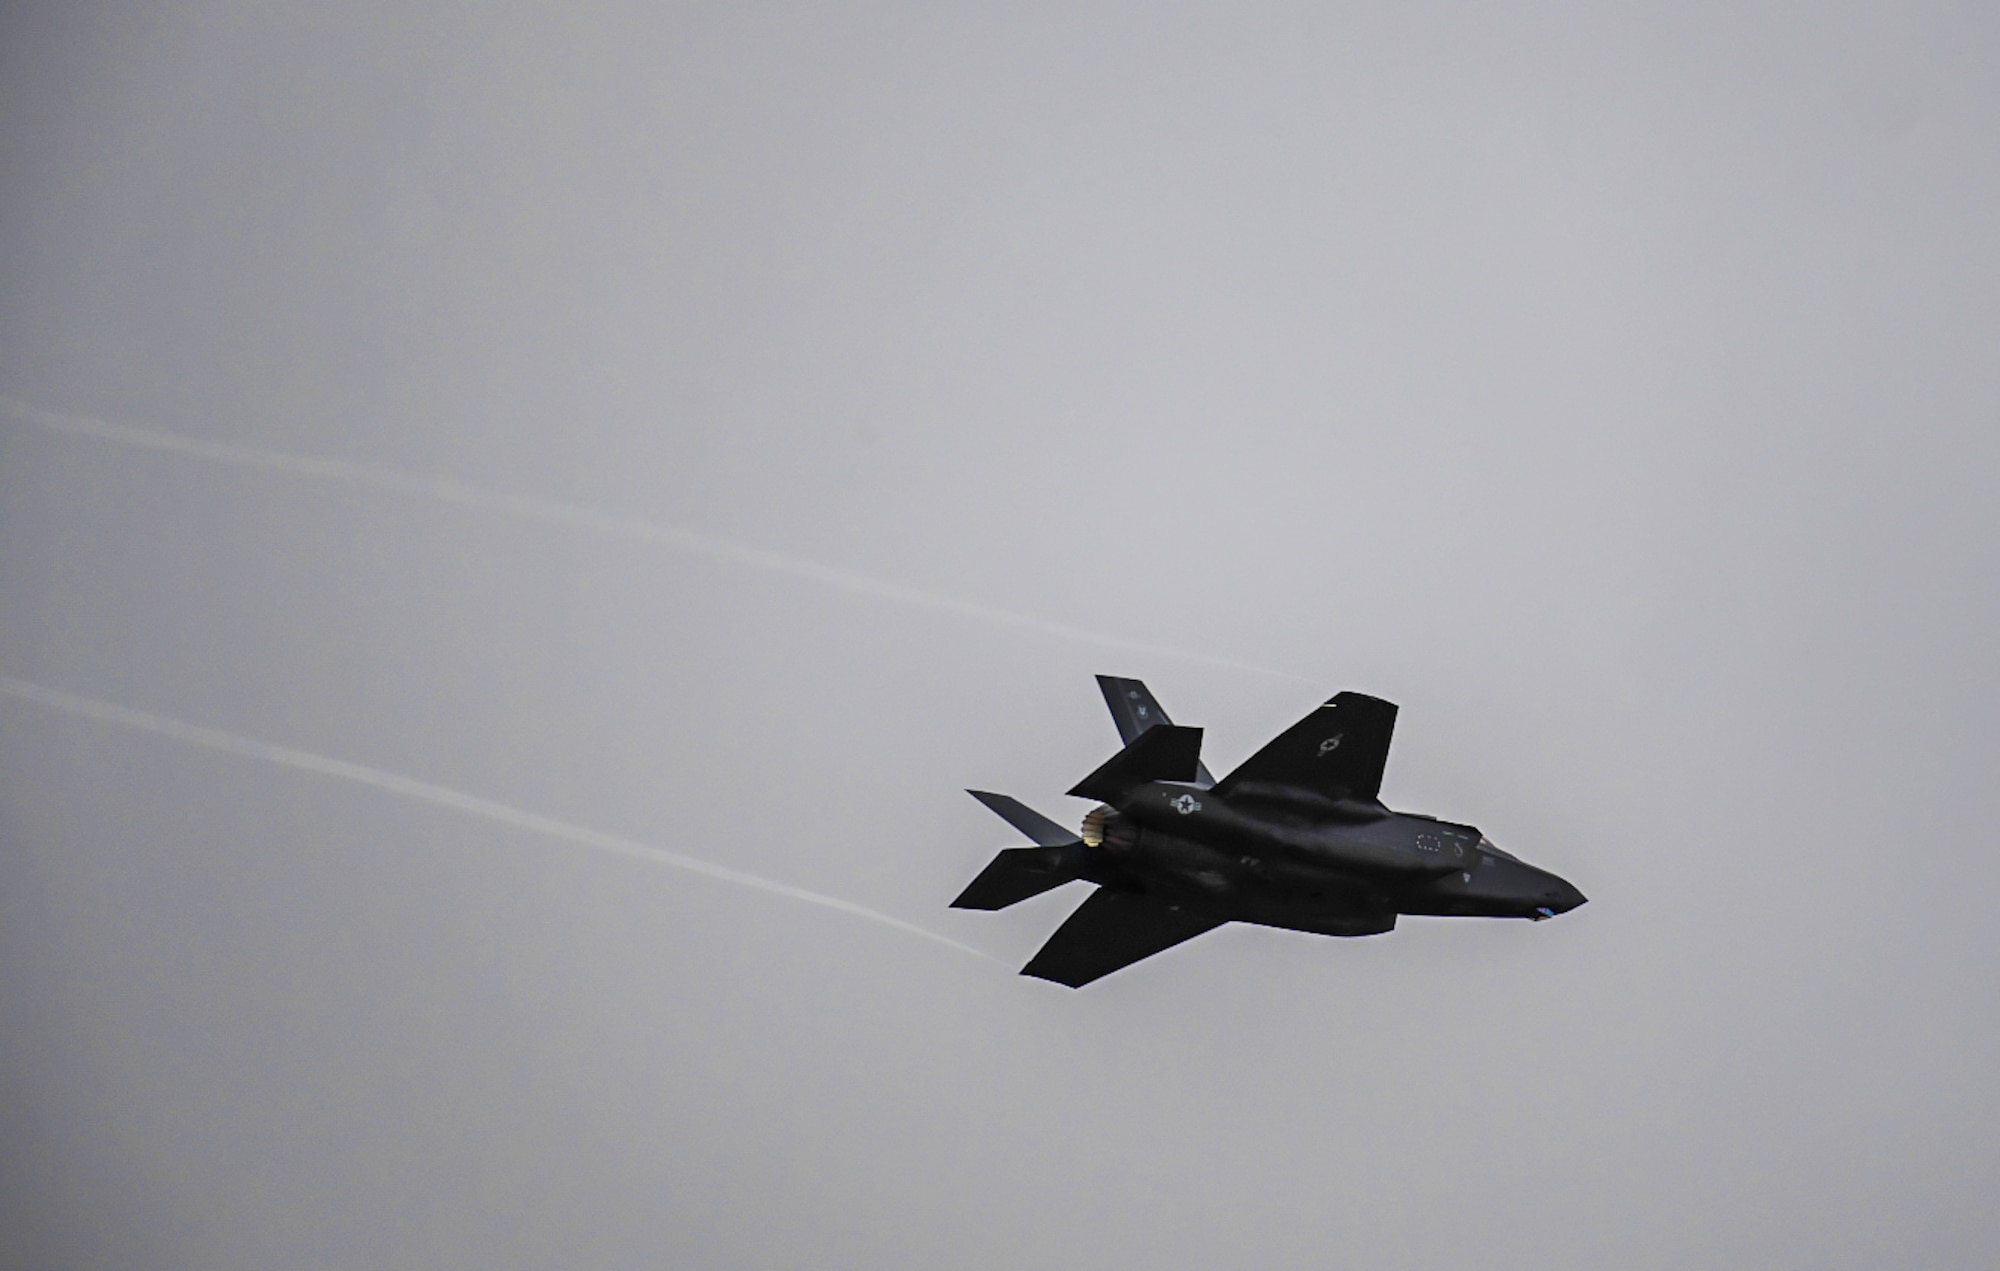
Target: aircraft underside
[[1294, 838]]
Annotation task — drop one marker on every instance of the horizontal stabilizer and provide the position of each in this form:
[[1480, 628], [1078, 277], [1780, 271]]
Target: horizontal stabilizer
[[1015, 875], [1167, 753], [1037, 827], [1134, 710], [1113, 929]]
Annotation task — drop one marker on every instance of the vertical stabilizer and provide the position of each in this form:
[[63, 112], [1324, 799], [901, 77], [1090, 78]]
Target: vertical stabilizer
[[1134, 710]]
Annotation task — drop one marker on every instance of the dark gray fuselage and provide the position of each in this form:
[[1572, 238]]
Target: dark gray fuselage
[[1283, 857]]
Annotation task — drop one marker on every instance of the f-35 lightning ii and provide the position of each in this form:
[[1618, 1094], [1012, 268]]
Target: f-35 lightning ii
[[1294, 838]]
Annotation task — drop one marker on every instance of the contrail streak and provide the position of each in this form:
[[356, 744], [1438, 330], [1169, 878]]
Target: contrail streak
[[570, 514], [231, 743]]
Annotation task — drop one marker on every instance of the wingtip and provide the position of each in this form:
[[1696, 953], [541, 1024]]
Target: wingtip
[[1362, 700], [1047, 978]]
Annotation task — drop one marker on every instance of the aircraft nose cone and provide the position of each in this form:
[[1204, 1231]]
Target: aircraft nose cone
[[1564, 897]]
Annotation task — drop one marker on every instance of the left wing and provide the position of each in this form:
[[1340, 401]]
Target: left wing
[[1113, 929], [1339, 750]]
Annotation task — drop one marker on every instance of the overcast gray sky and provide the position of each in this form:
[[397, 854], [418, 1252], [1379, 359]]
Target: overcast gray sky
[[517, 522]]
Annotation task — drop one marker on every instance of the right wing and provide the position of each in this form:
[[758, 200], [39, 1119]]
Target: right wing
[[1134, 711], [1113, 929], [1339, 750]]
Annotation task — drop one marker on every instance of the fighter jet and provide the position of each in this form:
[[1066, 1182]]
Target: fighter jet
[[1295, 837]]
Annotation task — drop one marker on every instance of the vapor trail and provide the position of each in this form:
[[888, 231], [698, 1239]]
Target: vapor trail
[[570, 514], [231, 743]]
